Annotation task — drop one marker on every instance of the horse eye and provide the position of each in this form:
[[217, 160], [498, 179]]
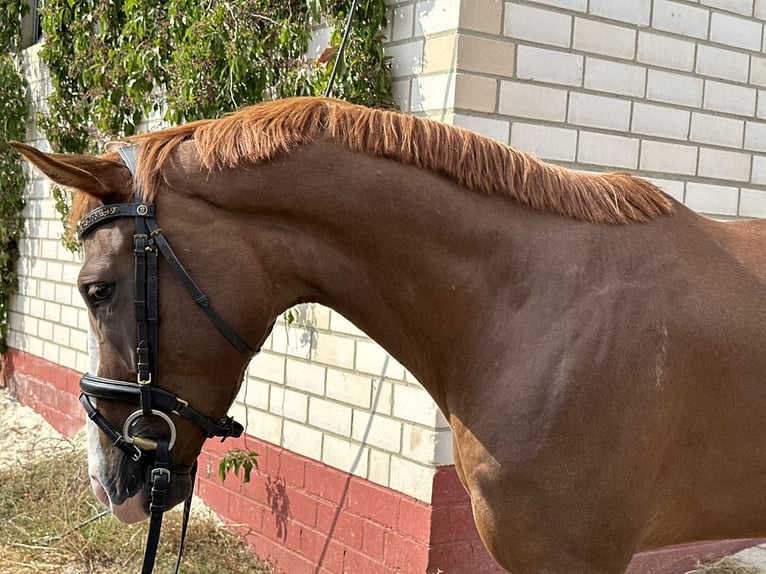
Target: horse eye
[[100, 292]]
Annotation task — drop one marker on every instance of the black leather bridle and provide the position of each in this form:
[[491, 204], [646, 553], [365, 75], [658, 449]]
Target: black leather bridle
[[145, 393]]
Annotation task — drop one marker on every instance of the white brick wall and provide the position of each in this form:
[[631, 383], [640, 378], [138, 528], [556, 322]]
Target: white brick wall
[[667, 88]]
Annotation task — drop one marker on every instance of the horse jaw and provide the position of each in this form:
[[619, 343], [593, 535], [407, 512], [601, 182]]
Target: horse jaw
[[129, 511]]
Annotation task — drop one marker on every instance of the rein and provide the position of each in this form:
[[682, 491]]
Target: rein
[[149, 242]]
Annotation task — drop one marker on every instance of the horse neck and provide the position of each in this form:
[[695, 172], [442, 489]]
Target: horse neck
[[399, 251]]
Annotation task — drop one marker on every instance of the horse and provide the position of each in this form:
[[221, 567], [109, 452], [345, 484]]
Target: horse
[[596, 347]]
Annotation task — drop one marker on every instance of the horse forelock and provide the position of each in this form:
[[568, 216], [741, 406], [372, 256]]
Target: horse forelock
[[267, 130]]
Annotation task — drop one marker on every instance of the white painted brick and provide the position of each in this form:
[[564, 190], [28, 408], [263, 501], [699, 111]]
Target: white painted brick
[[758, 71], [432, 92], [265, 426], [67, 358], [759, 10], [268, 366], [720, 164], [64, 294], [330, 416], [304, 440], [752, 203], [599, 111], [605, 39], [70, 315], [735, 31], [759, 169], [83, 364], [293, 341], [716, 130], [436, 16], [346, 456], [555, 144], [576, 5], [533, 101], [376, 430], [544, 65], [674, 88], [537, 25], [681, 19], [755, 136], [50, 351], [305, 376], [382, 396], [427, 445], [411, 478], [35, 346], [401, 90], [608, 150], [714, 199], [339, 324], [413, 404], [380, 467], [661, 121], [722, 63], [674, 188], [744, 7], [665, 52], [349, 388], [334, 350], [760, 108], [287, 403], [52, 312], [406, 59], [255, 393], [668, 158], [615, 77], [633, 11], [403, 22], [50, 249], [494, 128], [373, 359], [729, 98]]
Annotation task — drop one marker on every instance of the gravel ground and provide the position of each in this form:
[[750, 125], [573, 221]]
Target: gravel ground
[[24, 434]]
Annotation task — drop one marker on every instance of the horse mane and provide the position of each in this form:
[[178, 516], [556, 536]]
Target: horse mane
[[267, 130]]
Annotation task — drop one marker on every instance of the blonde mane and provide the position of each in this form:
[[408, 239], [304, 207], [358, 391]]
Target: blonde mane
[[261, 132]]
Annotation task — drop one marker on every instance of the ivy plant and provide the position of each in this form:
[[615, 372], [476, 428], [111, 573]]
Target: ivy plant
[[13, 117], [114, 63]]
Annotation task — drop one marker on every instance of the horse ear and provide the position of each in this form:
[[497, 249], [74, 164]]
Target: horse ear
[[106, 179]]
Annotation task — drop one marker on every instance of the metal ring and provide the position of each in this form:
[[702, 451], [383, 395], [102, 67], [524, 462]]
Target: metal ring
[[142, 210], [137, 415]]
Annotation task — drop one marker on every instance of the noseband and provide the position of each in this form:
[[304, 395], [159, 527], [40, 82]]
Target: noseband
[[145, 393]]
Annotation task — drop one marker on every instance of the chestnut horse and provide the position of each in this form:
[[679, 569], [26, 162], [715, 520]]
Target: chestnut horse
[[597, 348]]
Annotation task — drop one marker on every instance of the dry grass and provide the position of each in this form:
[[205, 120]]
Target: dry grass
[[724, 566], [45, 508]]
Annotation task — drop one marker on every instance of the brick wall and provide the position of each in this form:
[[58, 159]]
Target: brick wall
[[672, 90]]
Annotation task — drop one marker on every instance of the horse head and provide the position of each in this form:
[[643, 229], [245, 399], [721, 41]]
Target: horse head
[[184, 410]]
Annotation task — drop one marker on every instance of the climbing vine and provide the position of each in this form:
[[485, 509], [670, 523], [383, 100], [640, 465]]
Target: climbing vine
[[13, 117], [114, 62]]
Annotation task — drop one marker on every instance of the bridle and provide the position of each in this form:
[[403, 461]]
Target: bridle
[[150, 399]]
